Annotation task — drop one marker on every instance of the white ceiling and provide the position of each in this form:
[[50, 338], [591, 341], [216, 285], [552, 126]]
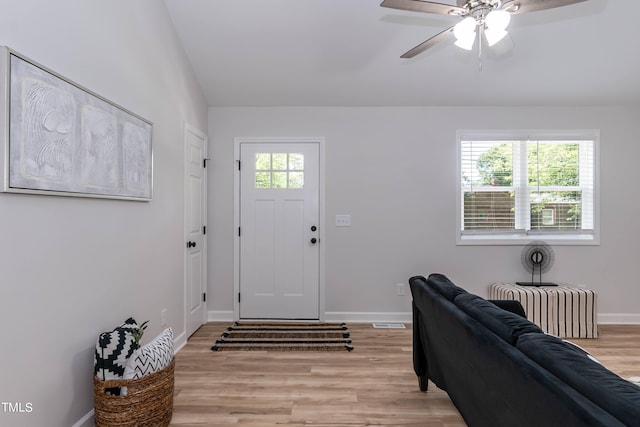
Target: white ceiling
[[347, 53]]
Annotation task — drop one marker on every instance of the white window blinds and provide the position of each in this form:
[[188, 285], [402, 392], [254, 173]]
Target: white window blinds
[[527, 187]]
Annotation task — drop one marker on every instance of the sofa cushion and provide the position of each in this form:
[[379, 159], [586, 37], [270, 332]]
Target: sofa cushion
[[510, 305], [606, 389], [579, 349], [508, 326], [444, 286]]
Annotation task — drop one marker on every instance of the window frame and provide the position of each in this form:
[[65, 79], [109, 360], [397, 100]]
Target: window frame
[[519, 237]]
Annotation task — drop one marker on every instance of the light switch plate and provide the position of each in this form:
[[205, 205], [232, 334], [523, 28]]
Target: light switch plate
[[343, 220]]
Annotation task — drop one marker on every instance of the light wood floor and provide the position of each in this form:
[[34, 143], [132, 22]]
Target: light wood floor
[[373, 385]]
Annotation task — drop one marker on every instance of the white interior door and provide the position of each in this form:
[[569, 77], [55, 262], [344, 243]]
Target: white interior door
[[279, 235], [195, 231]]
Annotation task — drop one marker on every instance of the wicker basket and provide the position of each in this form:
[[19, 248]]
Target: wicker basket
[[149, 400]]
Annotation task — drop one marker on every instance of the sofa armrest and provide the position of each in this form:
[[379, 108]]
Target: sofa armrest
[[510, 305]]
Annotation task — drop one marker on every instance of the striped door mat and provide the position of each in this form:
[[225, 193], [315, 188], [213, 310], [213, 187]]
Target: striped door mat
[[285, 337]]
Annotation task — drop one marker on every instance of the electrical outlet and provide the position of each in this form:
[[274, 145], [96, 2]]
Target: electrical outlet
[[163, 317], [399, 289]]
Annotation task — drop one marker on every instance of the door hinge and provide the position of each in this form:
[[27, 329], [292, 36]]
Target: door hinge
[[204, 296], [204, 162], [204, 229]]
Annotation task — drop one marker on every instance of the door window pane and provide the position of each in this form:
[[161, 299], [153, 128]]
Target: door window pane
[[279, 180], [263, 179], [279, 161], [279, 170], [296, 179], [263, 161], [296, 161]]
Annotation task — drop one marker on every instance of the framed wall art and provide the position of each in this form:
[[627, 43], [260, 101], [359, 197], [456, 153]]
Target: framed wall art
[[62, 139]]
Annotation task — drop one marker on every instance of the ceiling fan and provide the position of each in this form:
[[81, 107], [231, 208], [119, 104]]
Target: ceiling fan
[[489, 17]]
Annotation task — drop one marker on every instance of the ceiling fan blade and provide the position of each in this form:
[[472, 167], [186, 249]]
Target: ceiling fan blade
[[428, 43], [424, 6], [524, 6]]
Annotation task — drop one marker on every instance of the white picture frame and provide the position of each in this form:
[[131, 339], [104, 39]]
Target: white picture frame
[[62, 139]]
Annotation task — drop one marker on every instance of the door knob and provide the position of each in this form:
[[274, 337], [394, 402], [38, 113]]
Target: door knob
[[314, 240], [191, 244]]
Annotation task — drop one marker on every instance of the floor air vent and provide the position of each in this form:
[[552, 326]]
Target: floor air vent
[[388, 325]]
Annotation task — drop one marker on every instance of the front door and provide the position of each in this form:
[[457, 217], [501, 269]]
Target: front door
[[279, 236]]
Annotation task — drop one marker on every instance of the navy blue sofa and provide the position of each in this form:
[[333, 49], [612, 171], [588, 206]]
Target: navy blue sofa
[[499, 369]]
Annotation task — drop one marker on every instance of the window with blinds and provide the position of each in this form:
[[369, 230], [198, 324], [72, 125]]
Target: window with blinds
[[527, 188]]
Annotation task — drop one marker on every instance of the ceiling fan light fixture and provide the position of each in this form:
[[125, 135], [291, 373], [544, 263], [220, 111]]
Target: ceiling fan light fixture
[[466, 43], [494, 36], [496, 23], [465, 33], [497, 20]]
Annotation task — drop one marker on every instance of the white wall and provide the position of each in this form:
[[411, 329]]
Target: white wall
[[71, 268], [393, 169]]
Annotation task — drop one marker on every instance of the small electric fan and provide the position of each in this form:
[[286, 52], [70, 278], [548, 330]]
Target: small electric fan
[[537, 257]]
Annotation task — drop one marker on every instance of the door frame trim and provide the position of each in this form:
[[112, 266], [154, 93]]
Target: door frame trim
[[236, 214], [187, 129]]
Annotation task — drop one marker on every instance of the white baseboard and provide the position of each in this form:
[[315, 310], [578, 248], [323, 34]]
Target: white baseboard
[[220, 316], [179, 342], [86, 421], [368, 317], [330, 316], [618, 318]]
